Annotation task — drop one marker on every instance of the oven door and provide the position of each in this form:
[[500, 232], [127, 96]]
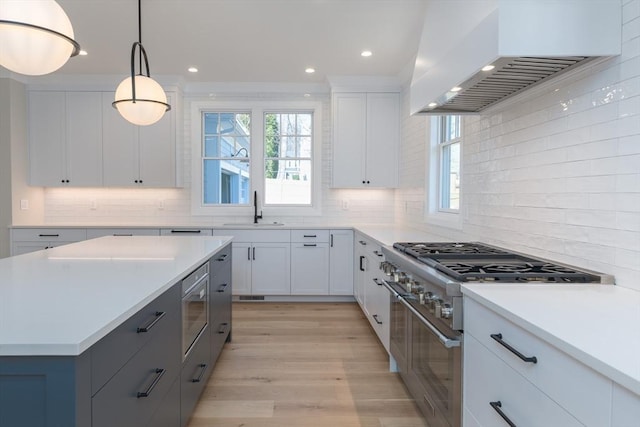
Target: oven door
[[195, 313], [398, 342], [435, 372]]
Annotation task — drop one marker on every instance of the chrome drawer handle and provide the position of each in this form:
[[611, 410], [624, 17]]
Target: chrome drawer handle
[[498, 338], [159, 373], [497, 407], [159, 315], [203, 367]]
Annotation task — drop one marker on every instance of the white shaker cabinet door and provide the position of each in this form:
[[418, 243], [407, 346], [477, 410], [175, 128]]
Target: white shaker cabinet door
[[270, 270], [625, 407], [84, 139], [241, 268], [120, 147], [383, 134], [341, 262], [157, 152], [47, 118], [309, 268], [349, 139]]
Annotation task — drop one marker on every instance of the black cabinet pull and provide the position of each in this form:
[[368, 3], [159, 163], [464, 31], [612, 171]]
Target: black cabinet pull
[[254, 253], [158, 315], [203, 369], [223, 287], [159, 373], [309, 245], [361, 259], [48, 235], [498, 338], [222, 257], [497, 407], [309, 235], [122, 235], [377, 282], [362, 242], [187, 231], [378, 253], [223, 327], [249, 254], [331, 237], [375, 317]]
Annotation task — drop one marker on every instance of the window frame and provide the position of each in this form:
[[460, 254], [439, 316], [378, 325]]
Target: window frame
[[434, 212], [257, 110]]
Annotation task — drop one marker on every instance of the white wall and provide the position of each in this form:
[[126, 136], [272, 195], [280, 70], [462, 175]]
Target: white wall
[[142, 206], [555, 175]]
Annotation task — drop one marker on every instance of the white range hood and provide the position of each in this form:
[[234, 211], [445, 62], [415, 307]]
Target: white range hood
[[527, 42]]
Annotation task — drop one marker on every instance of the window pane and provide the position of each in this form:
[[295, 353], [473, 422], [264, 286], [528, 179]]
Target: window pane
[[450, 177], [288, 182], [304, 124], [211, 146], [225, 182]]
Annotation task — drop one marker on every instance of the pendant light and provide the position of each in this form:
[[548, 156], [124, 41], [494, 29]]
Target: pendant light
[[36, 36], [139, 98]]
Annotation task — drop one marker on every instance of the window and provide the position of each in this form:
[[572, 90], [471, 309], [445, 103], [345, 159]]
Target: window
[[444, 172], [449, 162], [272, 148], [287, 154], [225, 158]]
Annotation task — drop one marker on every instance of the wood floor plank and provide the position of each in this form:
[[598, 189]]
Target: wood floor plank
[[304, 365]]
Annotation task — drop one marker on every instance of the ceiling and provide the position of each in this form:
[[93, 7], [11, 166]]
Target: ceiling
[[248, 40]]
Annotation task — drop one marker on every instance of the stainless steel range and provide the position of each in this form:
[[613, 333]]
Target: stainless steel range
[[425, 279]]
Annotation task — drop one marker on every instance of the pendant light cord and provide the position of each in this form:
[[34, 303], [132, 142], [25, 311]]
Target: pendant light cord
[[140, 34]]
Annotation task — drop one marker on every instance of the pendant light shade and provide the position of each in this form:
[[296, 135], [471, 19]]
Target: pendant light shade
[[150, 104], [139, 98], [36, 36]]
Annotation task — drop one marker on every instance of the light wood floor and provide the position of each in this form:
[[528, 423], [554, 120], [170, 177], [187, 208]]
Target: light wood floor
[[304, 365]]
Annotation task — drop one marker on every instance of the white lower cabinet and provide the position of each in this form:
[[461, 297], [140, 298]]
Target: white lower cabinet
[[310, 262], [92, 233], [625, 407], [25, 240], [261, 261], [341, 262], [536, 383]]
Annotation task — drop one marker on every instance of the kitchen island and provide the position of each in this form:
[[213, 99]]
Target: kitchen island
[[95, 326]]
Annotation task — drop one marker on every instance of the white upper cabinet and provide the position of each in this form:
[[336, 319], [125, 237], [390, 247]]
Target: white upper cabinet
[[139, 155], [366, 132], [65, 139]]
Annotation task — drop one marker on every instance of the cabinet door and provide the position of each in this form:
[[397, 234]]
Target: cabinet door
[[241, 268], [381, 313], [383, 133], [270, 268], [120, 146], [341, 262], [310, 269], [349, 139], [47, 138], [360, 266], [625, 407], [157, 152], [84, 139]]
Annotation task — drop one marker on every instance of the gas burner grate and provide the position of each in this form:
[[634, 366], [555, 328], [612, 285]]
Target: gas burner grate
[[419, 249]]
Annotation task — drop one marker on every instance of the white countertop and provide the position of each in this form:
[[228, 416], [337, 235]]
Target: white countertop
[[63, 300], [598, 325]]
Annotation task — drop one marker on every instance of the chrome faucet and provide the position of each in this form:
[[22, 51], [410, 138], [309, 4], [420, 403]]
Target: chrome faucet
[[256, 217]]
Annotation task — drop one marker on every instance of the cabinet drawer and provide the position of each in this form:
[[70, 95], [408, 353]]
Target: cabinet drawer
[[110, 353], [310, 236], [49, 234], [93, 233], [196, 369], [185, 231], [257, 236], [119, 402], [577, 388], [487, 378]]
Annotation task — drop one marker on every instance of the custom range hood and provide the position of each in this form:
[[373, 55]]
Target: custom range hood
[[476, 53]]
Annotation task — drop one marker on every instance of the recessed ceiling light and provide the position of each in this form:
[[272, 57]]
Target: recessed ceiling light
[[310, 70], [307, 95], [192, 70], [432, 104], [456, 89], [366, 53], [83, 53], [488, 67]]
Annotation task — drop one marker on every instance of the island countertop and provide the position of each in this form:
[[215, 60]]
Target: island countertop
[[60, 301]]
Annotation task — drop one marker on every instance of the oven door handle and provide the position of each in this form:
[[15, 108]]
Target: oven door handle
[[389, 288], [446, 341]]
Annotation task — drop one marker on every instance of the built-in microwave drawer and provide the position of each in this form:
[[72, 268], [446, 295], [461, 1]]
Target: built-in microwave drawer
[[193, 278], [553, 371]]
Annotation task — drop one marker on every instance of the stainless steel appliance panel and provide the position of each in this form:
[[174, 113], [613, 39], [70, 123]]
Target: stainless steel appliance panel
[[195, 308]]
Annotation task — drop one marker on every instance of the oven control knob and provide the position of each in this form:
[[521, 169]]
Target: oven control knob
[[437, 308], [446, 311]]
